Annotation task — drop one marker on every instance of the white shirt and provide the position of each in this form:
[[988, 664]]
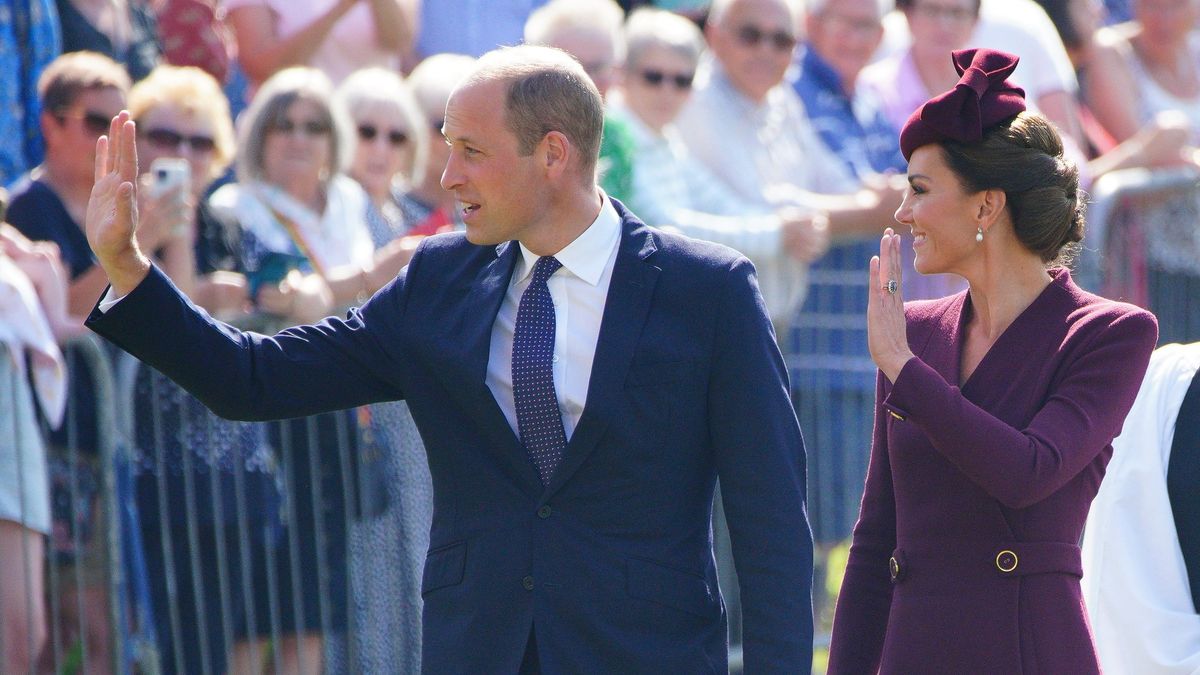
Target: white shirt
[[579, 290], [766, 154], [1135, 582]]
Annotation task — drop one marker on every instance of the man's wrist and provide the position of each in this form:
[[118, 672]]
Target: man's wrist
[[126, 274]]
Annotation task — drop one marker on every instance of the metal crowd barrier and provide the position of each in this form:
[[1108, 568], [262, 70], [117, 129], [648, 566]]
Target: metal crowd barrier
[[1143, 245], [152, 565]]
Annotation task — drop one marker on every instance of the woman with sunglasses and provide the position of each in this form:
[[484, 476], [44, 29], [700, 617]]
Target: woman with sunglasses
[[387, 554], [307, 250], [183, 116]]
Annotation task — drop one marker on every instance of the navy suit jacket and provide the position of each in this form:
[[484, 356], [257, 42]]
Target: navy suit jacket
[[611, 562]]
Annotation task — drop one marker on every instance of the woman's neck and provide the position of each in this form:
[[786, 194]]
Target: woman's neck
[[309, 192], [999, 293]]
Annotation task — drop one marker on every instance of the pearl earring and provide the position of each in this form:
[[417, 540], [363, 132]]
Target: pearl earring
[[979, 235]]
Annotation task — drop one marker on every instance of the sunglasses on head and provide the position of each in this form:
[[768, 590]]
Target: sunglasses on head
[[168, 138], [368, 132], [96, 123], [656, 78], [309, 127], [752, 36]]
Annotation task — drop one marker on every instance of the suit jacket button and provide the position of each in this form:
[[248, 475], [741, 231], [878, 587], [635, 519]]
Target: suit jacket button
[[1006, 561], [544, 512], [527, 582]]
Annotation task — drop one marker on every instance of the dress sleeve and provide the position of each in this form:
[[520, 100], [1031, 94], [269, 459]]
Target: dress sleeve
[[1082, 413], [860, 618]]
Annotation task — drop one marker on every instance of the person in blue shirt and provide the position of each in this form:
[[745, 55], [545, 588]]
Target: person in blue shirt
[[832, 374], [29, 40]]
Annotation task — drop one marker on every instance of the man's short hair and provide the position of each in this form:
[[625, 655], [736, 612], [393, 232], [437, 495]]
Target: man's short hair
[[818, 6], [547, 91], [716, 14], [648, 28], [73, 73], [435, 77], [546, 22]]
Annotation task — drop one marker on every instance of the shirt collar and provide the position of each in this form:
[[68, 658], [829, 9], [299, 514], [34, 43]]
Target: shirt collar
[[588, 255]]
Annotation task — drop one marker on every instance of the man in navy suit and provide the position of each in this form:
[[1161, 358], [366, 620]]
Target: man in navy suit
[[580, 381]]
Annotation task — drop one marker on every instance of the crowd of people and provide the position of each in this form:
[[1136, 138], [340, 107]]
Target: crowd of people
[[294, 157]]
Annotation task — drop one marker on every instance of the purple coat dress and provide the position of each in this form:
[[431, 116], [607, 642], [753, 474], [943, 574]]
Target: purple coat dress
[[965, 557]]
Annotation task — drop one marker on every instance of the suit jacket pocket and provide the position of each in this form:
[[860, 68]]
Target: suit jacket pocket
[[444, 567], [668, 586], [647, 374]]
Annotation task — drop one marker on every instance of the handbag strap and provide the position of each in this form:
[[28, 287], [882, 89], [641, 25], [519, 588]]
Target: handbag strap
[[1183, 484], [298, 239]]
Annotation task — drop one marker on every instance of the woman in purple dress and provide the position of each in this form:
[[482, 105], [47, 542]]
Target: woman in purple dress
[[996, 407]]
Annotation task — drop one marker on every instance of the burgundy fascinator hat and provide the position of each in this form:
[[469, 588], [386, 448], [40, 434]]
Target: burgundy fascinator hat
[[982, 98]]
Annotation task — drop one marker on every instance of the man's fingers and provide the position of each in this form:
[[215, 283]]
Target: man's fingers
[[128, 167], [101, 158], [124, 205]]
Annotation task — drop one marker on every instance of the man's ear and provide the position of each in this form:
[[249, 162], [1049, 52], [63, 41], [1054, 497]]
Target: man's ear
[[555, 153]]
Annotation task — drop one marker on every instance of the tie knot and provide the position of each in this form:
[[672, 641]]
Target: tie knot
[[543, 268]]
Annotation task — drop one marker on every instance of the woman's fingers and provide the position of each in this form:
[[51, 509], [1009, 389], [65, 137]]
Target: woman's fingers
[[874, 281]]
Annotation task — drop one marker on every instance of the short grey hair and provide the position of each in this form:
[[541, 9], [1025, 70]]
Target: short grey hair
[[648, 28], [547, 91], [818, 6], [434, 78], [556, 16], [270, 105], [716, 14], [380, 88]]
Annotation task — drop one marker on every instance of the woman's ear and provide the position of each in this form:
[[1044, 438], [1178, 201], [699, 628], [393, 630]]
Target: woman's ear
[[990, 206]]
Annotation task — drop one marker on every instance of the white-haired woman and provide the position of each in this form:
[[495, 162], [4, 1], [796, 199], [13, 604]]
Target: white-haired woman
[[307, 250], [387, 554]]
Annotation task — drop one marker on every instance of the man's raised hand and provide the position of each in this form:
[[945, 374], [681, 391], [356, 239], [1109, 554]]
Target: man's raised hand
[[112, 209]]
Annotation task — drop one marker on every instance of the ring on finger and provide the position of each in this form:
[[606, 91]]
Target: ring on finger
[[891, 287]]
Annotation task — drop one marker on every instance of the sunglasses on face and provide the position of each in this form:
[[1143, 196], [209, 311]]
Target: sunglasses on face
[[308, 127], [168, 138], [368, 132], [752, 36], [95, 123], [656, 78]]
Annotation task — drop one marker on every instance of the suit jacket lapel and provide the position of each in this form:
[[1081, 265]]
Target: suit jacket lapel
[[625, 310], [475, 336]]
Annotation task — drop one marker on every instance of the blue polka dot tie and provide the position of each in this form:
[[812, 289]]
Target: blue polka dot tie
[[538, 418]]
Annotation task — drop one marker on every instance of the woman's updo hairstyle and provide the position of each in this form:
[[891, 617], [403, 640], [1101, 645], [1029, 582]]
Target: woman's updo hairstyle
[[1024, 158], [992, 143]]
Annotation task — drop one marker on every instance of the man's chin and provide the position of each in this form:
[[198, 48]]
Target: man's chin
[[480, 237]]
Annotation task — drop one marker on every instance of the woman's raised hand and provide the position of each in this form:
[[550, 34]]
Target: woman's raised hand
[[112, 217], [887, 330]]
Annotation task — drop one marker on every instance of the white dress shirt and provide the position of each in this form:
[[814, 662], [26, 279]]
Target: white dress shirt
[[767, 154], [579, 290]]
